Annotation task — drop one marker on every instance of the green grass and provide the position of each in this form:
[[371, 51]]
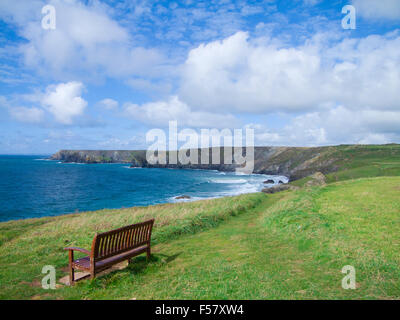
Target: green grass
[[289, 245], [28, 245], [362, 161], [348, 223], [355, 161]]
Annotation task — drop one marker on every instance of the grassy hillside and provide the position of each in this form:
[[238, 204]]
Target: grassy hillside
[[286, 245], [318, 231], [28, 245], [356, 161]]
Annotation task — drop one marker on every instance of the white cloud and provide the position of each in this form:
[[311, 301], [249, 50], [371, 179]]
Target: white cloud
[[161, 112], [86, 39], [27, 115], [20, 11], [131, 142], [378, 9], [64, 101], [345, 90], [334, 126], [373, 138], [258, 75], [109, 104]]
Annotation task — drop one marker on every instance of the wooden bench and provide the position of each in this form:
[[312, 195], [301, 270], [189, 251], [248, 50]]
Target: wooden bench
[[111, 247]]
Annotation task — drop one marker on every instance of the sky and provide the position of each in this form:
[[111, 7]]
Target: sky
[[110, 71]]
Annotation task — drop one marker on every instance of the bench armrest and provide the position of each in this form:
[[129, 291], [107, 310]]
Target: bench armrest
[[78, 249]]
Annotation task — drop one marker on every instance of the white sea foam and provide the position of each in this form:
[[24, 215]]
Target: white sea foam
[[238, 173], [246, 188], [248, 184], [228, 180]]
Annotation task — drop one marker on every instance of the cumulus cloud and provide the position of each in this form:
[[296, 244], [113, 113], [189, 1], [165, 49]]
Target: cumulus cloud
[[259, 75], [161, 112], [109, 104], [64, 101], [334, 126], [378, 9], [240, 75], [345, 90], [86, 38], [334, 89], [27, 115]]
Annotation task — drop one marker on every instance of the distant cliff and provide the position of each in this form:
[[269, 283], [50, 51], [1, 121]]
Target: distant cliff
[[293, 162], [136, 158]]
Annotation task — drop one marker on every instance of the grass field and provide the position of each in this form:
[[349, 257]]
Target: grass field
[[367, 161], [289, 245], [358, 161]]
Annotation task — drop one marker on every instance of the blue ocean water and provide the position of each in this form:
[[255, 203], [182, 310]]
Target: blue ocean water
[[32, 187]]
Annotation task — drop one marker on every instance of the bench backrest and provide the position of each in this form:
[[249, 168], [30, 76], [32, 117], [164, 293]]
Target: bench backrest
[[114, 242]]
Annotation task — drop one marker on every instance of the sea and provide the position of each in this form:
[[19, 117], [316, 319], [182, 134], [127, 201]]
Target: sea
[[33, 186]]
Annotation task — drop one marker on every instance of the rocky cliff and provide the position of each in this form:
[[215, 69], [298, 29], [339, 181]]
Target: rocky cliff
[[289, 161], [134, 157], [292, 162]]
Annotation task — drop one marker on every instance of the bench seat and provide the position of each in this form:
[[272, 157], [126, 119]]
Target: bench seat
[[112, 247], [84, 263]]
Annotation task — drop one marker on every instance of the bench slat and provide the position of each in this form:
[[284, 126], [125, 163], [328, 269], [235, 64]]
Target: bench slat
[[123, 239]]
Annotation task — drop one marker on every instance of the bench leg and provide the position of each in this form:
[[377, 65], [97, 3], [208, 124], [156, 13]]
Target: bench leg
[[92, 271], [71, 276], [71, 269], [148, 252]]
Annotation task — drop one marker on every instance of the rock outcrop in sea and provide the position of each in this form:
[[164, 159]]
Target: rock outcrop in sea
[[269, 181], [183, 197]]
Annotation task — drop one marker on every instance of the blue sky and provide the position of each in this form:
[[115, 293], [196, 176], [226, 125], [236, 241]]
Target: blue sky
[[112, 70]]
